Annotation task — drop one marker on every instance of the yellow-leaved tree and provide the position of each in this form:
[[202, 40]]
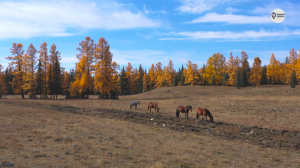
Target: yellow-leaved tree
[[191, 75], [86, 49], [159, 75], [3, 88], [256, 72], [17, 62], [30, 61], [216, 66], [151, 76], [145, 82], [103, 68], [272, 70]]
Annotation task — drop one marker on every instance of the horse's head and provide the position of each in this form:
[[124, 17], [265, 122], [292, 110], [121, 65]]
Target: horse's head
[[211, 119]]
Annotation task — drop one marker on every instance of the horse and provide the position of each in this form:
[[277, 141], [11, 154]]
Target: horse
[[183, 109], [203, 112], [153, 105], [134, 103]]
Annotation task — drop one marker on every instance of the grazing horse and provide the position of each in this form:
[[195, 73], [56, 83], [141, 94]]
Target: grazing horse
[[203, 112], [183, 109], [134, 103], [153, 105]]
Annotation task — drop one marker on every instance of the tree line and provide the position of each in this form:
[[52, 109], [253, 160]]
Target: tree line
[[96, 74]]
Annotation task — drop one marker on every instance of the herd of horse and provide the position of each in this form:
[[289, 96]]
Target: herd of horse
[[180, 109]]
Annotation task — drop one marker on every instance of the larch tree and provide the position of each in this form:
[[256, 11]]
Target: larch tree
[[44, 58], [272, 69], [191, 76], [245, 68], [145, 82], [30, 60], [87, 48], [255, 76], [151, 76], [66, 83], [130, 78], [215, 65], [3, 87], [18, 65], [159, 75], [114, 93]]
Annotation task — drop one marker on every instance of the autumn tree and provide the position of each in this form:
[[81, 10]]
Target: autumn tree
[[145, 82], [18, 65], [86, 49], [191, 76], [105, 70], [66, 83], [215, 66], [272, 69], [255, 76], [159, 75], [3, 88], [151, 77], [30, 61], [233, 64], [44, 58]]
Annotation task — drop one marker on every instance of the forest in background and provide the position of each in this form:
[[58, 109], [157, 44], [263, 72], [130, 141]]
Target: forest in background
[[96, 73]]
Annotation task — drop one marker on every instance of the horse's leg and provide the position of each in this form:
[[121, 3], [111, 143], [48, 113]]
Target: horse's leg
[[206, 118], [130, 107], [187, 114]]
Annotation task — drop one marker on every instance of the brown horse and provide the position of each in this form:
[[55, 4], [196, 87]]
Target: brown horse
[[183, 109], [203, 112], [153, 105]]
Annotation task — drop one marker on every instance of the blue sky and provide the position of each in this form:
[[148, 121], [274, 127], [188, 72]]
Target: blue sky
[[151, 31]]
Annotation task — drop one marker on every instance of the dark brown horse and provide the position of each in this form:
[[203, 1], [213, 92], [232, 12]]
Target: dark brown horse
[[183, 109], [153, 105], [203, 112]]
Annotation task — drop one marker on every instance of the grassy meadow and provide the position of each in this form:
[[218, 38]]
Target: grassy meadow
[[38, 137]]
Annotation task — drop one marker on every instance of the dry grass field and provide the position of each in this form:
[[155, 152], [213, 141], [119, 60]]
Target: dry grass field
[[39, 137]]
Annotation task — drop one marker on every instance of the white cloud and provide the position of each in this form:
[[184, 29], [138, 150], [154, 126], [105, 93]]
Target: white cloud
[[148, 11], [198, 6], [230, 10], [245, 35], [54, 18], [233, 19]]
